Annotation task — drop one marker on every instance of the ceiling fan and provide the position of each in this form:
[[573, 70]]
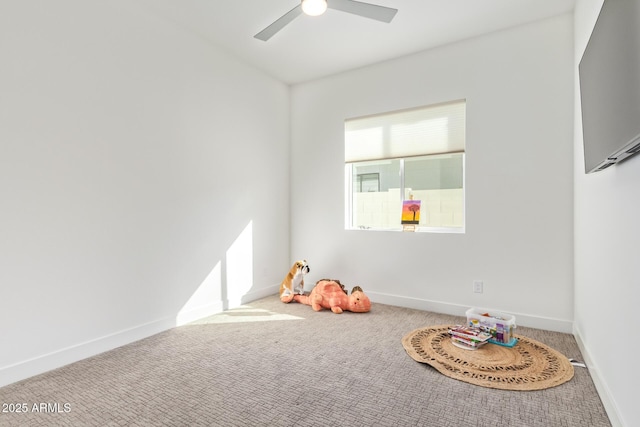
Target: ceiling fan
[[318, 7]]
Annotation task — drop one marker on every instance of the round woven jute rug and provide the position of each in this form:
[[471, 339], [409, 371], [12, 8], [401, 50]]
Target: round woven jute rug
[[529, 365]]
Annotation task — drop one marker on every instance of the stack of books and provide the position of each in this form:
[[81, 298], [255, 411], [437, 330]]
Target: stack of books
[[467, 337]]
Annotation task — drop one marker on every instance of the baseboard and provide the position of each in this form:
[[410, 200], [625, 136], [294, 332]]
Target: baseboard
[[219, 306], [417, 303], [252, 296], [601, 386], [538, 322], [198, 313], [40, 364]]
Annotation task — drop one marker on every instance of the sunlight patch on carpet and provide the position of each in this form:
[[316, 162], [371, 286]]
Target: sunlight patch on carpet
[[245, 313]]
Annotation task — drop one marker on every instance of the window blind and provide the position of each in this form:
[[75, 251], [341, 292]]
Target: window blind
[[435, 129]]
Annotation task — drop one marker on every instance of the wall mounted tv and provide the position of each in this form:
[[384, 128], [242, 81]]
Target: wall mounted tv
[[610, 86]]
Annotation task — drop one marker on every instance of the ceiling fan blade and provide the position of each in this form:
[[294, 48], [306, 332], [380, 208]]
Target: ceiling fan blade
[[368, 10], [279, 24]]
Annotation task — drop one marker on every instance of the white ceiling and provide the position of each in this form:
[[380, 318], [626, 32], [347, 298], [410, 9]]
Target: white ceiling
[[313, 47]]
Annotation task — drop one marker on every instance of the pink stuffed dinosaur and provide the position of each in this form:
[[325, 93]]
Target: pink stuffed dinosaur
[[330, 294]]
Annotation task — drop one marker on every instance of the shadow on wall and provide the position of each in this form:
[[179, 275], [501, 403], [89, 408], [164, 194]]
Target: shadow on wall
[[226, 284]]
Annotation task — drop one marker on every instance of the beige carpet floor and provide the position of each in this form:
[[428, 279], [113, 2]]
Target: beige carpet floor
[[275, 364]]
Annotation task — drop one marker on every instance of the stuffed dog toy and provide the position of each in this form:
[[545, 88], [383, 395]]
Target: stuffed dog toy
[[294, 281]]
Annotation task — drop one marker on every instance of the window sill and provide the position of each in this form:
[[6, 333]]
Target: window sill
[[441, 230]]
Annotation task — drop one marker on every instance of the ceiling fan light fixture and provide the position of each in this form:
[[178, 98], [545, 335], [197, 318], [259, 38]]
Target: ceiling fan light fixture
[[314, 7], [318, 7]]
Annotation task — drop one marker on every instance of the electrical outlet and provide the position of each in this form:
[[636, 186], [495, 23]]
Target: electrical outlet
[[478, 286]]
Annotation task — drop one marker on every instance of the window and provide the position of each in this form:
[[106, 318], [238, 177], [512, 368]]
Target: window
[[392, 157], [368, 182]]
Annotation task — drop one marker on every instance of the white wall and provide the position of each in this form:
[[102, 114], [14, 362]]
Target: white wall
[[607, 280], [143, 175], [519, 176]]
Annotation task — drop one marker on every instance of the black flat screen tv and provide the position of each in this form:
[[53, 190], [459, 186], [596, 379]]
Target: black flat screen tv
[[610, 86]]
